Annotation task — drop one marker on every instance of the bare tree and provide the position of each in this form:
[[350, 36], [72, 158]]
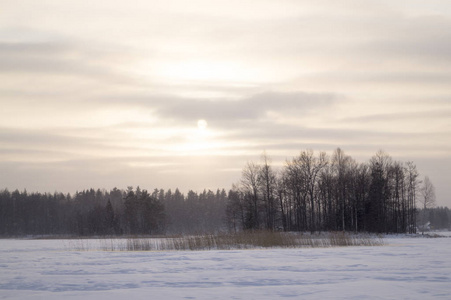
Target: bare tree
[[380, 165], [283, 203], [295, 183], [268, 187], [340, 166], [428, 193], [412, 183], [427, 200], [249, 184], [311, 167]]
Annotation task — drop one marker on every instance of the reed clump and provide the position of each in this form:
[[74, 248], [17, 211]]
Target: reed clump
[[250, 240], [229, 241]]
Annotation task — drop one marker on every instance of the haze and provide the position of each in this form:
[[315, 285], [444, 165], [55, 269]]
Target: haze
[[166, 94]]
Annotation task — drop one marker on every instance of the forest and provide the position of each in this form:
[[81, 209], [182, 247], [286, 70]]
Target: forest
[[311, 192]]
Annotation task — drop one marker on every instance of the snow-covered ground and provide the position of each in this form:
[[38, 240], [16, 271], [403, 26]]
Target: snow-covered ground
[[441, 233], [405, 268]]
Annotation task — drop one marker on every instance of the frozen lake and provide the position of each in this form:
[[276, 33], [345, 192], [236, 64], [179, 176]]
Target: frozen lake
[[405, 268]]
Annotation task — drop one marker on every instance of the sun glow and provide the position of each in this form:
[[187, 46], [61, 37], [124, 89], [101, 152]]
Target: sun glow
[[197, 72], [200, 140], [202, 70], [202, 125]]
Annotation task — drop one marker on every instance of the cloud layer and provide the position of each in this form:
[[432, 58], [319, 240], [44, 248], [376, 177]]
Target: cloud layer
[[105, 94]]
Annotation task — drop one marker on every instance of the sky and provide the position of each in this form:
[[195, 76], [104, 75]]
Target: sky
[[166, 94]]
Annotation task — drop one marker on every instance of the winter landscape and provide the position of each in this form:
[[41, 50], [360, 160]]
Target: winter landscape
[[251, 149], [406, 267]]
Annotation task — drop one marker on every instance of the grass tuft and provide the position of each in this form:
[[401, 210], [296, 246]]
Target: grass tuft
[[232, 241]]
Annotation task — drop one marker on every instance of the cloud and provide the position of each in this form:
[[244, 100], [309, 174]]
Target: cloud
[[43, 57], [223, 110], [185, 173], [57, 66], [441, 113], [82, 90]]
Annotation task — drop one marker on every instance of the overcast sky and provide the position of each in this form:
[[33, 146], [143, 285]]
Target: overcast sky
[[108, 93]]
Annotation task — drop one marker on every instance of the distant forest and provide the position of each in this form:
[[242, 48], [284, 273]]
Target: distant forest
[[309, 193]]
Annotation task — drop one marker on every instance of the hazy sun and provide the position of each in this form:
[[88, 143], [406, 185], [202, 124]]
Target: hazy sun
[[202, 125], [197, 140]]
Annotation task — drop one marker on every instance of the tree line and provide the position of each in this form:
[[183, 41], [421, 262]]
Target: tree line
[[116, 212], [437, 217], [317, 192], [311, 192]]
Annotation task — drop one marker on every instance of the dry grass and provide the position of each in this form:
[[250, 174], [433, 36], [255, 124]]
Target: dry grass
[[342, 239], [244, 240]]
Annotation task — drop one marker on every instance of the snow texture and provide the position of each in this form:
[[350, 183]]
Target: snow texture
[[406, 268]]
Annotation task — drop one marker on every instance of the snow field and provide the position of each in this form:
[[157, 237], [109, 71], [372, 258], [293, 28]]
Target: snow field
[[406, 268]]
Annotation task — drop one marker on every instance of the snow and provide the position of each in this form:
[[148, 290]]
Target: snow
[[405, 268]]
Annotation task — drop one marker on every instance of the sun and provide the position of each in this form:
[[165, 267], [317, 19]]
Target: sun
[[202, 125]]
